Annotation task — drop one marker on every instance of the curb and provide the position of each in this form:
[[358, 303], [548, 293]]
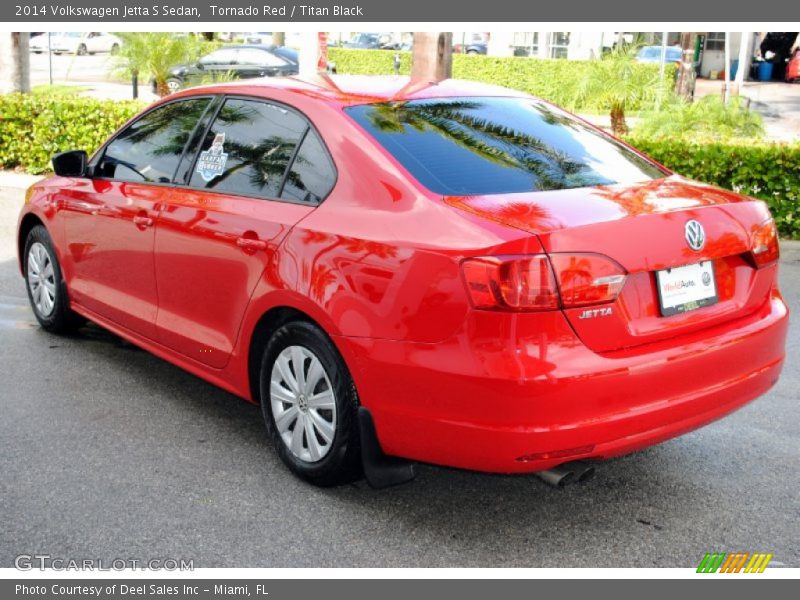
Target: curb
[[9, 180]]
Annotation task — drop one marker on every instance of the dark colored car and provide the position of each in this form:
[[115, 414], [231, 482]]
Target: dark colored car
[[363, 41], [473, 48], [243, 62]]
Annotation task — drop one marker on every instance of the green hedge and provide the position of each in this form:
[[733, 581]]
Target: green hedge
[[552, 80], [770, 171], [34, 127]]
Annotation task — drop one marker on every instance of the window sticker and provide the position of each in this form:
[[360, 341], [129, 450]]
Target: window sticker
[[211, 162]]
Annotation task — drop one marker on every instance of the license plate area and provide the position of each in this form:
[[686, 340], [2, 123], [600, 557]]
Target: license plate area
[[686, 288]]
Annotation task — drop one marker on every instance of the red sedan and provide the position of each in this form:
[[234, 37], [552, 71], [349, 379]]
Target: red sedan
[[454, 273]]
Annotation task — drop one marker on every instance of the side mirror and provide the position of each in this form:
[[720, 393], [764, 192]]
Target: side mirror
[[70, 164], [201, 66]]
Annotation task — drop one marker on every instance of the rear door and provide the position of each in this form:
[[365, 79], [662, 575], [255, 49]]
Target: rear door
[[219, 236], [110, 222]]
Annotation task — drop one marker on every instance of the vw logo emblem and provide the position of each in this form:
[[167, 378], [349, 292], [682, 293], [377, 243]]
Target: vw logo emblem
[[695, 235]]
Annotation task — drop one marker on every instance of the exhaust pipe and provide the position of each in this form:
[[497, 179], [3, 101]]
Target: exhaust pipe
[[567, 473]]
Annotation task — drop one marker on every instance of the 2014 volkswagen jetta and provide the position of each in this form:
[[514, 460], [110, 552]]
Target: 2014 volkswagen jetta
[[454, 273]]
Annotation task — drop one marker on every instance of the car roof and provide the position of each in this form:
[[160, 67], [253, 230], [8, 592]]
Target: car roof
[[349, 90]]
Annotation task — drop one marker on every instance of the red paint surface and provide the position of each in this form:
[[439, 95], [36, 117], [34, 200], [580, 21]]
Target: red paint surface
[[378, 266]]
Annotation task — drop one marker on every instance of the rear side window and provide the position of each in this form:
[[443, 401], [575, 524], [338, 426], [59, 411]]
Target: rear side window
[[150, 148], [248, 148], [465, 146], [312, 175]]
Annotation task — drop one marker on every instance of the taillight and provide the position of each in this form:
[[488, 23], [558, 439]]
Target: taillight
[[529, 283], [511, 283], [585, 279], [764, 247]]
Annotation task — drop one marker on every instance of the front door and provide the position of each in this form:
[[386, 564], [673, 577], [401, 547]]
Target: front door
[[111, 219]]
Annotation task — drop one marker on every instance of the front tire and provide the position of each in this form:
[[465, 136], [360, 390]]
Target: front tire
[[82, 50], [309, 403], [44, 281]]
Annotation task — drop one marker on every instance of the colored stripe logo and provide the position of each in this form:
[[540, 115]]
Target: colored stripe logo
[[736, 562]]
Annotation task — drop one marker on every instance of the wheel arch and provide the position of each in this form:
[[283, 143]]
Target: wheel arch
[[28, 222], [269, 322]]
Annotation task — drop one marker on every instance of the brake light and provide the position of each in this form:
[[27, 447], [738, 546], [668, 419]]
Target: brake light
[[530, 283], [585, 279], [764, 247], [515, 283]]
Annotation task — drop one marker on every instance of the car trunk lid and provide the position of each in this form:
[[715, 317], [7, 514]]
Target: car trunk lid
[[642, 227]]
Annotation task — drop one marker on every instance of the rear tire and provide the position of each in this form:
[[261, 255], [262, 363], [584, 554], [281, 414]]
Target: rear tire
[[312, 419], [44, 281], [81, 50]]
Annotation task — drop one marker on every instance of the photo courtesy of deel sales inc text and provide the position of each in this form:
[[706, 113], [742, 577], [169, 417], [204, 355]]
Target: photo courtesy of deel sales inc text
[[398, 299]]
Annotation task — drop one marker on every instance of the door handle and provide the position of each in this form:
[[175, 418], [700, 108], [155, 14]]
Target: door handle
[[251, 244], [142, 222]]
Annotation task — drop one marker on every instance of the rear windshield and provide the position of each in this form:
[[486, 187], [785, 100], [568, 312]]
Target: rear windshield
[[466, 146]]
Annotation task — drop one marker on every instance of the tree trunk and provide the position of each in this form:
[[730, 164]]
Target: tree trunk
[[15, 75], [432, 58], [162, 89], [618, 125], [684, 85]]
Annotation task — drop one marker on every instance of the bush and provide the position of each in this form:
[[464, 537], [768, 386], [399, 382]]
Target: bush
[[35, 127], [552, 80], [707, 117], [769, 171]]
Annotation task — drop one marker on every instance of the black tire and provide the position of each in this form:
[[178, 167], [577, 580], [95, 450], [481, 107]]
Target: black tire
[[61, 319], [114, 49], [342, 462], [81, 50]]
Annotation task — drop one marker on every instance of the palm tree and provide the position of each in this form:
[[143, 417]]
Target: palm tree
[[615, 82], [153, 54]]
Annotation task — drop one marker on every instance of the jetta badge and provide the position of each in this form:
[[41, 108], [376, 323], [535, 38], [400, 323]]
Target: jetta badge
[[695, 235]]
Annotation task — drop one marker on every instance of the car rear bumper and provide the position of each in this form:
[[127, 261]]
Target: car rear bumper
[[521, 393]]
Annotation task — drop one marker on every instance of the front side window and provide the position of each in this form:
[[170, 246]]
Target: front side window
[[465, 146], [248, 148], [150, 148]]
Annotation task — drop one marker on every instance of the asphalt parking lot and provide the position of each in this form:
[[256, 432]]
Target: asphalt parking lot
[[108, 452]]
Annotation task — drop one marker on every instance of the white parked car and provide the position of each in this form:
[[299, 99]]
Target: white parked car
[[85, 43], [38, 43]]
